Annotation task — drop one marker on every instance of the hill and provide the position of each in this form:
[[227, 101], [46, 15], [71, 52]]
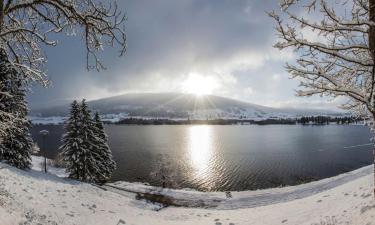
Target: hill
[[176, 105]]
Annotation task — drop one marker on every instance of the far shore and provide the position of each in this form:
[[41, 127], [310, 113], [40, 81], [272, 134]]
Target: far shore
[[314, 120]]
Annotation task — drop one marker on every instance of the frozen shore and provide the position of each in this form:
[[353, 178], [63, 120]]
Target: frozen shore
[[31, 197], [242, 199]]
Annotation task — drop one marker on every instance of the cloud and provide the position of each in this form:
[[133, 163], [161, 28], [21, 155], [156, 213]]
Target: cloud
[[229, 42], [318, 103]]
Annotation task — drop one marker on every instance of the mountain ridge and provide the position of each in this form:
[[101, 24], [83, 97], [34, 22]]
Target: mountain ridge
[[177, 105]]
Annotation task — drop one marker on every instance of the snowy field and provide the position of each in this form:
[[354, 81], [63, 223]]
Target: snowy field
[[32, 197]]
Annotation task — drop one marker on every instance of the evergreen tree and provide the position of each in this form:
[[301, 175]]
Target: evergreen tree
[[108, 164], [92, 162], [16, 143], [72, 151], [85, 150]]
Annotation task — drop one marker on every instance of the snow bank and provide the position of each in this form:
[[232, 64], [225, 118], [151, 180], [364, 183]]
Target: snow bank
[[37, 164], [32, 197], [242, 199]]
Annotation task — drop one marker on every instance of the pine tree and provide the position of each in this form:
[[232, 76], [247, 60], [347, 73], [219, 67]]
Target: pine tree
[[91, 166], [72, 151], [85, 150], [108, 165], [16, 143]]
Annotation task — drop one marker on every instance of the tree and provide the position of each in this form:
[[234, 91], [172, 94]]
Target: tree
[[15, 143], [164, 173], [91, 158], [7, 119], [337, 58], [71, 149], [27, 26], [85, 147], [90, 165], [105, 154]]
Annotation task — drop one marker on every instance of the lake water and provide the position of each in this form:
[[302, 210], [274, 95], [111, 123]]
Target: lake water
[[221, 158]]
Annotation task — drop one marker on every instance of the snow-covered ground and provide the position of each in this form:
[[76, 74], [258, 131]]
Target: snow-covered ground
[[38, 165], [242, 199], [32, 197]]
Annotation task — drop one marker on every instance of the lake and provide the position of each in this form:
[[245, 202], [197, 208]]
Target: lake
[[230, 158]]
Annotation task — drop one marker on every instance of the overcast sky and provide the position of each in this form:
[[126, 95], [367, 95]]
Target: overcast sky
[[226, 42]]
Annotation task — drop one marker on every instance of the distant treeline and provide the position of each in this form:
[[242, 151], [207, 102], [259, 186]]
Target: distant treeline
[[317, 120], [139, 121], [327, 119]]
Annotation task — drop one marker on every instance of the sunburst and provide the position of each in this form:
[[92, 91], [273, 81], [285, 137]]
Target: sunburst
[[199, 85]]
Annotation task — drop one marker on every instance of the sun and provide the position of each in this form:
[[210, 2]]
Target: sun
[[199, 85]]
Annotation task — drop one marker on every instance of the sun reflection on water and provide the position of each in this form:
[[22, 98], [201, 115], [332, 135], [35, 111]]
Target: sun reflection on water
[[200, 149]]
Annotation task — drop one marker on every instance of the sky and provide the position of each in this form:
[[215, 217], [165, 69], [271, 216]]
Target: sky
[[222, 47]]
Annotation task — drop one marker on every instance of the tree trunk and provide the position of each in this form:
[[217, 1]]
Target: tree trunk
[[372, 29], [1, 14], [372, 49]]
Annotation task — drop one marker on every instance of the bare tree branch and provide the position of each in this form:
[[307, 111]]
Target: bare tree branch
[[26, 25], [336, 58]]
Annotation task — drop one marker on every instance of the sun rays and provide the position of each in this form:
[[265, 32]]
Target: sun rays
[[199, 85]]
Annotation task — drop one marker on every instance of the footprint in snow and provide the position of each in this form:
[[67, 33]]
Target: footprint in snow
[[121, 222], [365, 195]]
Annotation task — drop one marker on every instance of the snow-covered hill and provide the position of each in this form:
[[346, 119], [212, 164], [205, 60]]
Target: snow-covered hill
[[177, 106]]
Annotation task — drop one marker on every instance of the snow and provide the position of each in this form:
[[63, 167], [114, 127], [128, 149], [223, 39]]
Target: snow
[[194, 115], [37, 164], [53, 120], [32, 197], [244, 199]]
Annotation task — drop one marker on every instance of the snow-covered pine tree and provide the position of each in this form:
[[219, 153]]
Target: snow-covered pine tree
[[91, 164], [16, 143], [107, 162], [85, 149], [72, 151], [6, 118], [335, 44], [96, 162]]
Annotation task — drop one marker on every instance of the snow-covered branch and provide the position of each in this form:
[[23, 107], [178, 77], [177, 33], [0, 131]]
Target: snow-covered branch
[[26, 25], [335, 48]]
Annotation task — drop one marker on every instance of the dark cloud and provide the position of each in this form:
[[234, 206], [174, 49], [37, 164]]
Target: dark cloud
[[167, 40]]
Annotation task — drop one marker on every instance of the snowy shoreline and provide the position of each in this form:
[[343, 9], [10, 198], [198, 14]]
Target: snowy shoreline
[[242, 199], [223, 200], [344, 199]]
